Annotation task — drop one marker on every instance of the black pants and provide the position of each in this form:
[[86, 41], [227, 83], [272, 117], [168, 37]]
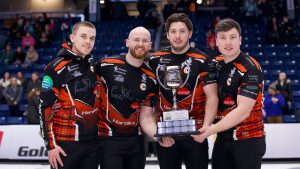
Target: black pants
[[122, 152], [192, 153], [238, 154], [80, 155]]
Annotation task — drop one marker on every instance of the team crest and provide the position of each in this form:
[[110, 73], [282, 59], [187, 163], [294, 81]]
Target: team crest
[[186, 70], [143, 86]]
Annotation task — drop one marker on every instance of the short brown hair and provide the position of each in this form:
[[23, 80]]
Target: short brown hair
[[82, 23], [179, 17], [227, 24]]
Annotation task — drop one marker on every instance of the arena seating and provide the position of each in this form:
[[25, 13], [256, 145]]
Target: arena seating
[[111, 37]]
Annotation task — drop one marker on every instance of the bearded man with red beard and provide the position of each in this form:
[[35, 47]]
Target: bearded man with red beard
[[127, 88]]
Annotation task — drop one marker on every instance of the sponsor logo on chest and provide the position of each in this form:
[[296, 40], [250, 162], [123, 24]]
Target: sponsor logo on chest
[[120, 70]]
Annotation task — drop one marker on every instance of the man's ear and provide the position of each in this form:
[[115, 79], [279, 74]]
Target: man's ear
[[190, 34], [127, 43], [241, 40], [72, 37]]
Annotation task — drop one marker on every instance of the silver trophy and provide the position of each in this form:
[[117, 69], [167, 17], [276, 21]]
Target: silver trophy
[[173, 80], [175, 122]]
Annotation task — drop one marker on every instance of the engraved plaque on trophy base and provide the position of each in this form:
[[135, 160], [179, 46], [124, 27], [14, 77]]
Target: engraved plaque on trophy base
[[176, 123]]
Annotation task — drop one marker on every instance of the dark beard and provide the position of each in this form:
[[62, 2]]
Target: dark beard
[[179, 49]]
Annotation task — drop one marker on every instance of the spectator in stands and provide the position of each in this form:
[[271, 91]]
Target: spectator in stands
[[17, 30], [217, 19], [264, 10], [64, 28], [52, 25], [33, 104], [8, 22], [118, 10], [12, 94], [34, 82], [19, 56], [168, 9], [152, 21], [251, 10], [192, 9], [212, 50], [273, 104], [31, 57], [48, 33], [44, 41], [210, 37], [180, 7], [28, 27], [273, 31], [7, 55], [22, 80], [284, 86], [28, 40], [4, 82], [234, 7], [106, 11], [286, 30], [143, 6], [3, 40]]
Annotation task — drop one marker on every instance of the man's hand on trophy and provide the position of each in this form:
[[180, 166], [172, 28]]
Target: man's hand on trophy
[[166, 141], [205, 132]]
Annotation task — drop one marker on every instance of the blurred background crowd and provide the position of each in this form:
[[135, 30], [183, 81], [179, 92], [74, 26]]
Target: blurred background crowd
[[30, 40]]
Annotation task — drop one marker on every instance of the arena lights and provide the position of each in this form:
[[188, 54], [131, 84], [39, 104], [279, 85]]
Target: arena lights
[[199, 1], [101, 1]]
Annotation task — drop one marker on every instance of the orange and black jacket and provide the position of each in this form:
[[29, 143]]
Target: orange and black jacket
[[243, 76], [123, 90], [197, 71], [68, 110]]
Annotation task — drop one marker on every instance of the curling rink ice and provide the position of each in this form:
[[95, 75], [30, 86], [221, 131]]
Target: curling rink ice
[[266, 165]]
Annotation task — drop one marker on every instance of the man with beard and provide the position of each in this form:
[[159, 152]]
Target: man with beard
[[197, 94], [127, 88]]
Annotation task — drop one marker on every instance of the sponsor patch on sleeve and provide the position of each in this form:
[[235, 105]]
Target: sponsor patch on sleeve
[[47, 83]]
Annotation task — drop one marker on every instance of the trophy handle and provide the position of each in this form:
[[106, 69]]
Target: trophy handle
[[158, 79]]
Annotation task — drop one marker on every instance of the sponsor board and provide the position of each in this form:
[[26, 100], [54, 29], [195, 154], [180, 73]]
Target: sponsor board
[[22, 142]]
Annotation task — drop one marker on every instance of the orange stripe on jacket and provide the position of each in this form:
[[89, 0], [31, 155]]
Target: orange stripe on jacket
[[55, 90], [240, 67], [113, 61], [219, 58], [255, 62], [195, 55], [161, 53], [61, 65], [148, 72]]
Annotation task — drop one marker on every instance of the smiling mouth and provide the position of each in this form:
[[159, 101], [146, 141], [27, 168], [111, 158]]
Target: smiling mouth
[[140, 49]]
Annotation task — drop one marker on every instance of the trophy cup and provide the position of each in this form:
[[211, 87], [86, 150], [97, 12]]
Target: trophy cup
[[175, 122]]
